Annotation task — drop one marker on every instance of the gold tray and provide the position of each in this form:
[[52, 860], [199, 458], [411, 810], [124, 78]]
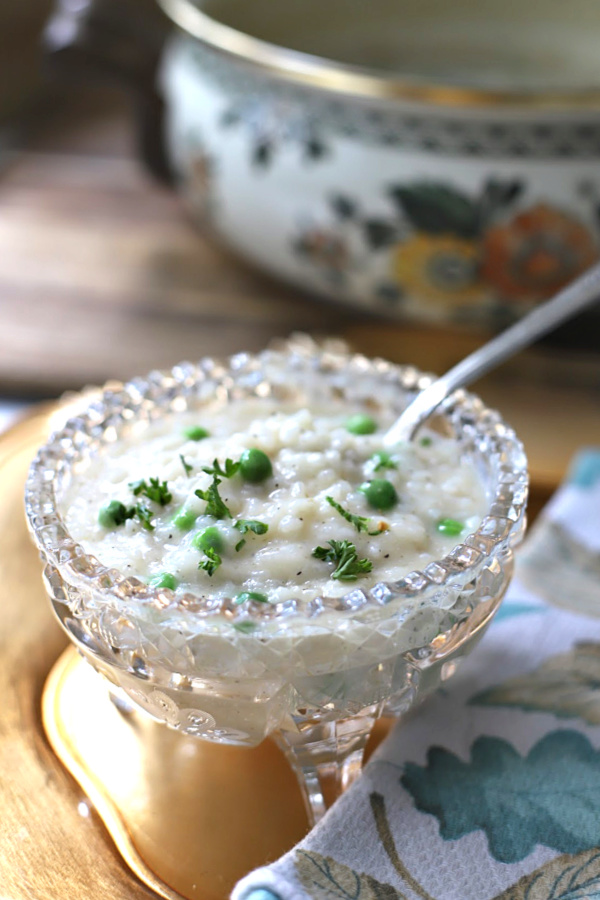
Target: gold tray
[[188, 817]]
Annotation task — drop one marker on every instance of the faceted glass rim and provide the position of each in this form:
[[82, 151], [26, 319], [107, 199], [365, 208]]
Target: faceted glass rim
[[118, 403]]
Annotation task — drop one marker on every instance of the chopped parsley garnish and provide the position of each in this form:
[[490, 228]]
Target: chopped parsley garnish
[[212, 563], [186, 466], [383, 460], [343, 553], [214, 503], [360, 522], [155, 490], [246, 525], [115, 513], [144, 515], [229, 471]]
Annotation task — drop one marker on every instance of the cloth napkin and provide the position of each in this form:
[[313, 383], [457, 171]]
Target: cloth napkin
[[491, 788]]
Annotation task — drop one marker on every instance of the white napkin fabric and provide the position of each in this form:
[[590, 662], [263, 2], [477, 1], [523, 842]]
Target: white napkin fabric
[[491, 789]]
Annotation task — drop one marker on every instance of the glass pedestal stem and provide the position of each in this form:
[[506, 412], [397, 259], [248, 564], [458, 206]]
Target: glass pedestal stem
[[326, 756]]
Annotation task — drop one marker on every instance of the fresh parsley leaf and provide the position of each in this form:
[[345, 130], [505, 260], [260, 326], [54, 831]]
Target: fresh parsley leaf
[[211, 563], [229, 471], [186, 466], [144, 515], [156, 490], [214, 503], [246, 525], [360, 522], [383, 460], [348, 565]]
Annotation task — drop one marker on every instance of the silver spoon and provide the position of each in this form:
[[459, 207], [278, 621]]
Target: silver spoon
[[580, 293]]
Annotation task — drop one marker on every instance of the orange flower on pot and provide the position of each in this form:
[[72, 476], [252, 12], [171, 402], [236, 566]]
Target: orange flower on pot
[[536, 253], [441, 268]]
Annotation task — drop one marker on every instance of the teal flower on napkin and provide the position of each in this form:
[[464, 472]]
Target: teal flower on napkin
[[550, 797]]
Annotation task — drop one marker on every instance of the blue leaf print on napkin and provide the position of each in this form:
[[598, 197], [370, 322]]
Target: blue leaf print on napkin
[[551, 796]]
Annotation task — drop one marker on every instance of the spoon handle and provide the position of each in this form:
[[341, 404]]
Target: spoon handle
[[539, 321]]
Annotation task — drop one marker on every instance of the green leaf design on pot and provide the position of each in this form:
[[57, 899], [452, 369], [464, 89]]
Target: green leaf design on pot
[[550, 797], [438, 209], [379, 233], [563, 878], [323, 877], [567, 685]]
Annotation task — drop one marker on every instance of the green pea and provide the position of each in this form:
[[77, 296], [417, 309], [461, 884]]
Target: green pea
[[164, 580], [383, 460], [114, 513], [255, 465], [361, 424], [185, 519], [426, 441], [251, 595], [380, 493], [196, 433], [451, 527], [209, 539]]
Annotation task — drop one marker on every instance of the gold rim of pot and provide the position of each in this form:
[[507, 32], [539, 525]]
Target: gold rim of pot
[[341, 78]]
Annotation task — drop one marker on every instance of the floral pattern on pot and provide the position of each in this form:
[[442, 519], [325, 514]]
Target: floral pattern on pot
[[272, 124], [448, 250], [443, 269], [327, 251], [536, 253]]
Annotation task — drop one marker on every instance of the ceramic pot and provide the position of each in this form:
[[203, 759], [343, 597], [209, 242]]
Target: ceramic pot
[[408, 158]]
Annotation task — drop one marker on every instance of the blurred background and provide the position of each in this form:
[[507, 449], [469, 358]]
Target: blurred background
[[285, 217]]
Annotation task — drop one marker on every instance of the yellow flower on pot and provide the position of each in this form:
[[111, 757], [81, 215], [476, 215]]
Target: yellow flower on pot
[[441, 269]]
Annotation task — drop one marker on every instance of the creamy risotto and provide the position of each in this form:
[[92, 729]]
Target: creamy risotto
[[267, 501]]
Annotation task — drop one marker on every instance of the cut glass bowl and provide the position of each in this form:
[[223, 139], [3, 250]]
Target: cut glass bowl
[[315, 672]]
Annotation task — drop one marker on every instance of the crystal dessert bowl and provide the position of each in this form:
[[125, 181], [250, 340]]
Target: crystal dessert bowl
[[314, 673]]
